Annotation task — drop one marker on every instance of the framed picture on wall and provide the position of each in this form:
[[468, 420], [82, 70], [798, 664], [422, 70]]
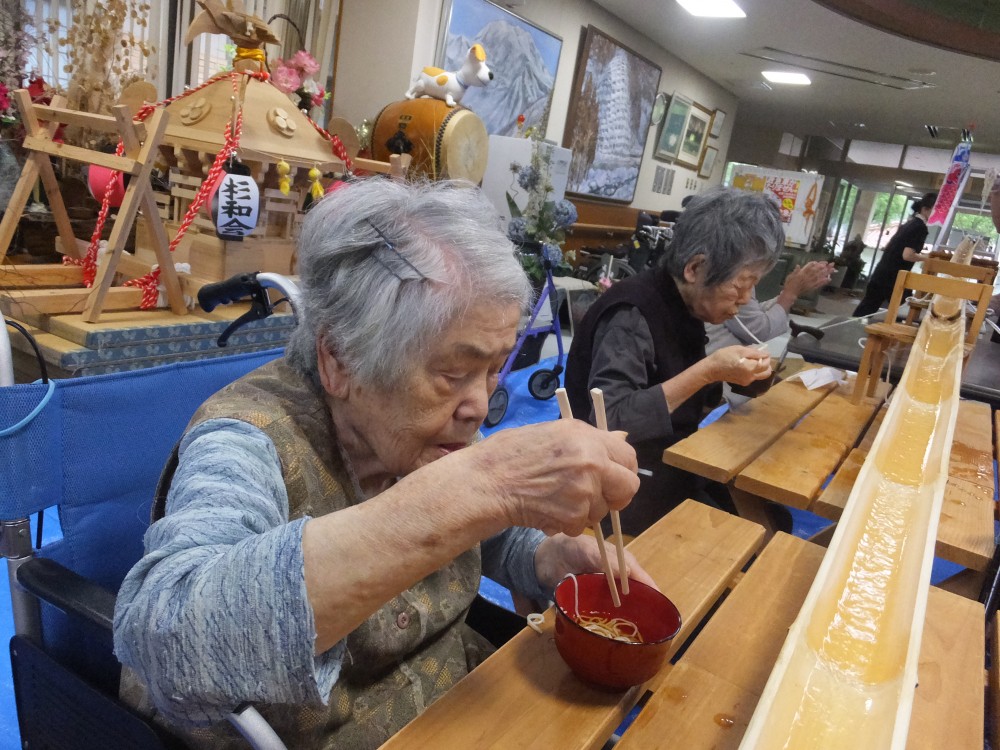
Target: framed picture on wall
[[718, 120], [695, 134], [668, 142], [610, 108], [707, 162], [523, 57]]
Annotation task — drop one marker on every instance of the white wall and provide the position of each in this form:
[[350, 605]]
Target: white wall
[[384, 43], [374, 60]]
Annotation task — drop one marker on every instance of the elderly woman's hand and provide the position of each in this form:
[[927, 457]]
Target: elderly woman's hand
[[741, 365], [558, 476], [560, 554]]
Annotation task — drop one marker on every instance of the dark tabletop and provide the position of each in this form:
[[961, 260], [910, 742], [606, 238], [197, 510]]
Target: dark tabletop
[[839, 348]]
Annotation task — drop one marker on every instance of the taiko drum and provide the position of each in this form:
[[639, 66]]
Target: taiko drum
[[445, 142]]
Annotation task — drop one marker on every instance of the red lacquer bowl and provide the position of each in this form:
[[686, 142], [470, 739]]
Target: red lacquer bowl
[[604, 661]]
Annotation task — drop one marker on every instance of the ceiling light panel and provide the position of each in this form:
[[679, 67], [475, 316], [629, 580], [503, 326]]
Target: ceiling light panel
[[841, 70], [786, 77], [712, 8]]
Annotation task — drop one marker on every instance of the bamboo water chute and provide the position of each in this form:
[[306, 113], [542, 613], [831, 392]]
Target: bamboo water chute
[[846, 675]]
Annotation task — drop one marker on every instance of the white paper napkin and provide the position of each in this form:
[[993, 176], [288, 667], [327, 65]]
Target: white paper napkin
[[817, 378]]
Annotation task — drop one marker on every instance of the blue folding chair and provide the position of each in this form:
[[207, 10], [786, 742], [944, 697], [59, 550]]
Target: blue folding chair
[[94, 447]]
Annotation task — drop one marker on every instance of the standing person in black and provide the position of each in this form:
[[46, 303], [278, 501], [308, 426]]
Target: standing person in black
[[643, 341], [901, 252]]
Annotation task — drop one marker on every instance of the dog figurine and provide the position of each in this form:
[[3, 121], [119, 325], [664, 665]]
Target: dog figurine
[[451, 87]]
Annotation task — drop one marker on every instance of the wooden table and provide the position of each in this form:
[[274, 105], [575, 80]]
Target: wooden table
[[708, 697], [839, 348], [525, 697], [786, 445]]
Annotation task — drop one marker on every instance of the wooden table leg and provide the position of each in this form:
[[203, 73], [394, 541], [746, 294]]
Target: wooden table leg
[[967, 583], [822, 538], [864, 371], [753, 508], [877, 363]]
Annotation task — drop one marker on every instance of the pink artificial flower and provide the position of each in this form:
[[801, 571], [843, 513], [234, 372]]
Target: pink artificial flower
[[4, 97], [285, 78], [305, 63], [318, 98]]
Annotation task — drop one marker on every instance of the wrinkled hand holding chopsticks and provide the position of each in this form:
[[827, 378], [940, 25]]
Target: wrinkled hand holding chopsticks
[[566, 412]]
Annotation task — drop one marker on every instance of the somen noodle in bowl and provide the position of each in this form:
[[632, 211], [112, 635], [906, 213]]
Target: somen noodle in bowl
[[615, 628], [613, 647]]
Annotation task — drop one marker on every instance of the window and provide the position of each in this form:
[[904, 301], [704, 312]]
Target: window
[[171, 65], [842, 214], [51, 21]]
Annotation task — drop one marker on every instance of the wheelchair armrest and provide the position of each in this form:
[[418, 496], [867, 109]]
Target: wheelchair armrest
[[68, 591], [76, 595]]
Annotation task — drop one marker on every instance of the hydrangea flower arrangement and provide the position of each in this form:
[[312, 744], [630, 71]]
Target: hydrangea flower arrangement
[[543, 220]]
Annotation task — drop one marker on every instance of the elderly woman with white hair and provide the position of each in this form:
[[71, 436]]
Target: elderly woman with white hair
[[325, 520], [643, 341]]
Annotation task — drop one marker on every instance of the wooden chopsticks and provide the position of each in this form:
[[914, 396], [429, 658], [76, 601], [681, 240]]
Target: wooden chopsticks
[[597, 395], [566, 412]]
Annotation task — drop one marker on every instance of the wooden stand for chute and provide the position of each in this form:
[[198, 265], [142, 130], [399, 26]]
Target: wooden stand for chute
[[882, 336], [141, 145], [941, 267]]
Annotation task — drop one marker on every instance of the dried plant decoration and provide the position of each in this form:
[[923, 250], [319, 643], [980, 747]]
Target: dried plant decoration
[[107, 49]]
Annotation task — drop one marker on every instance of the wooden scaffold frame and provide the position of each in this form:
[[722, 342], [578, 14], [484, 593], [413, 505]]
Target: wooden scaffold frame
[[141, 143]]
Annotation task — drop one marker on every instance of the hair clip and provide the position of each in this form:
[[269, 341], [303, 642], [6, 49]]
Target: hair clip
[[392, 247]]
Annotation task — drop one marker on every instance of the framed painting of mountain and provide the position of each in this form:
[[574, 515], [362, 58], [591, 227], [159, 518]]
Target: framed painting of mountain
[[523, 58], [610, 108]]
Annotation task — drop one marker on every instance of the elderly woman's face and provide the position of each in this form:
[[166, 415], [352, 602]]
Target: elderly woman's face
[[719, 303], [443, 402]]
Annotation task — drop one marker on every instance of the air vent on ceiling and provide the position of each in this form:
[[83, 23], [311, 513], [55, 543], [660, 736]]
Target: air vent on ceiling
[[936, 131], [841, 70]]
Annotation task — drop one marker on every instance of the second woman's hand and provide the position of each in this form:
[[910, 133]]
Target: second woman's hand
[[559, 555], [741, 365]]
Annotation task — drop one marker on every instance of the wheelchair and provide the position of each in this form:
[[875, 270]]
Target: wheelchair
[[94, 447]]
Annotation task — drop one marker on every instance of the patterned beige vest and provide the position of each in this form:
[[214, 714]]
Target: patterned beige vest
[[401, 658]]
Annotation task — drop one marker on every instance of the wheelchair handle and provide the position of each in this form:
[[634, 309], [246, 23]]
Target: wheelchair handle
[[229, 290]]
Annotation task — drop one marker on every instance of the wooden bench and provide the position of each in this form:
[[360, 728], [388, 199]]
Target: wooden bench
[[601, 224], [785, 446]]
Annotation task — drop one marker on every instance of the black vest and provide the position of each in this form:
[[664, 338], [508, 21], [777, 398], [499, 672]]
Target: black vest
[[678, 342]]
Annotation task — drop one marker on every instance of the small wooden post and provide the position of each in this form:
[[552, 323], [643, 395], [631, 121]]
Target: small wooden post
[[137, 187], [36, 166]]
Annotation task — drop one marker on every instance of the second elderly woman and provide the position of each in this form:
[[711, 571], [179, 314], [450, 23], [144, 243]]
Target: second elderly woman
[[643, 341], [329, 515]]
